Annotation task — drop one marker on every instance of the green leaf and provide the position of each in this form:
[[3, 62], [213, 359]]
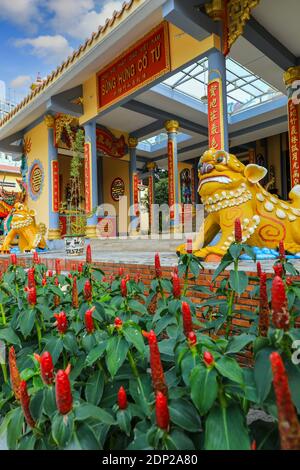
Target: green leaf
[[238, 281], [54, 346], [293, 373], [84, 439], [263, 373], [228, 367], [49, 402], [116, 351], [62, 428], [184, 415], [136, 306], [36, 405], [87, 411], [239, 342], [14, 428], [9, 336], [134, 336], [226, 261], [26, 321], [204, 388], [225, 429], [123, 420], [235, 250], [70, 342], [140, 390], [94, 388], [178, 440], [96, 353]]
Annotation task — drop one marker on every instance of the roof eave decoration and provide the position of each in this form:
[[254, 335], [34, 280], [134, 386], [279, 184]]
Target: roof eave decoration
[[234, 14], [81, 51]]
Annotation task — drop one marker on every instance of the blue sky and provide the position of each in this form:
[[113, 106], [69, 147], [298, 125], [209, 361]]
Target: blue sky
[[37, 35]]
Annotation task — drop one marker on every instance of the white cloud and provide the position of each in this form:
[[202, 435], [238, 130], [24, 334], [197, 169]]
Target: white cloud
[[89, 16], [52, 49], [22, 81], [22, 12]]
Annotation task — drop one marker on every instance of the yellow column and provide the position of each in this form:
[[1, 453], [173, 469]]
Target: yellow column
[[54, 232], [291, 76], [172, 129]]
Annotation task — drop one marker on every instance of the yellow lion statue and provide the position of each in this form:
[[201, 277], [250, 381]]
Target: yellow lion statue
[[24, 227], [231, 190]]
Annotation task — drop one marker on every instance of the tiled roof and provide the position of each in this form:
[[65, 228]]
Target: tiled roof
[[95, 37]]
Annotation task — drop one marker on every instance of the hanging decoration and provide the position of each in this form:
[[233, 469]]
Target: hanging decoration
[[109, 144]]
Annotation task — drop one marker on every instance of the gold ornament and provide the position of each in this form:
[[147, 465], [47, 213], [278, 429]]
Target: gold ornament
[[61, 122], [215, 9], [291, 75], [49, 121], [238, 13], [172, 126], [132, 142]]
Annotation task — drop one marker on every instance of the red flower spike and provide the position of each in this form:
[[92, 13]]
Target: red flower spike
[[176, 286], [88, 291], [80, 267], [280, 314], [15, 378], [57, 267], [189, 246], [36, 259], [13, 259], [289, 281], [238, 231], [63, 393], [278, 270], [253, 446], [124, 287], [187, 318], [61, 322], [88, 254], [259, 270], [47, 368], [162, 411], [75, 301], [118, 322], [56, 282], [44, 281], [50, 273], [30, 278], [208, 359], [25, 403], [122, 399], [289, 427], [175, 271], [192, 339], [157, 372], [281, 250], [121, 272], [31, 296], [88, 320], [158, 272], [264, 310]]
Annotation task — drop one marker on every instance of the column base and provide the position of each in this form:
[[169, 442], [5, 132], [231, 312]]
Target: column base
[[91, 231], [54, 234], [175, 229]]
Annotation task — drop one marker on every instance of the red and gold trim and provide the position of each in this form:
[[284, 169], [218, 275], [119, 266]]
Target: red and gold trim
[[55, 185], [88, 177], [135, 186], [171, 173], [294, 142]]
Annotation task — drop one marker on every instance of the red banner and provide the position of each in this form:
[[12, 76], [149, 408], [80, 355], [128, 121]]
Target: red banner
[[109, 144], [294, 135], [55, 186], [136, 193], [88, 177], [143, 63], [215, 115], [150, 196], [171, 177]]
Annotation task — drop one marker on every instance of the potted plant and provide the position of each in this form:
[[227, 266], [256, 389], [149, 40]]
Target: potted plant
[[76, 216]]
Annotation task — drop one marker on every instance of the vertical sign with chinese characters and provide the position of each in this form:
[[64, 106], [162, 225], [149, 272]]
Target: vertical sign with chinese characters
[[294, 134], [215, 114], [88, 177], [136, 193], [150, 196], [55, 186], [171, 178]]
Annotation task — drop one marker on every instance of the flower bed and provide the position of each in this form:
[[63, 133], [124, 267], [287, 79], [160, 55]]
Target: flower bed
[[108, 363]]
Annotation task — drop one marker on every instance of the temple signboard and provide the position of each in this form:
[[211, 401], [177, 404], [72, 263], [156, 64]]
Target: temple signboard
[[107, 143], [215, 115], [294, 136], [138, 66]]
